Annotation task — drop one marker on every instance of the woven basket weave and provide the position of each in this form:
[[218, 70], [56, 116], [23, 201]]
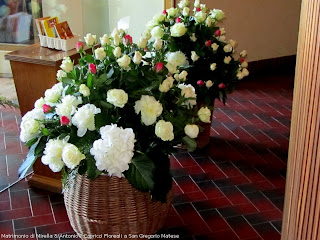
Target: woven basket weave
[[110, 205]]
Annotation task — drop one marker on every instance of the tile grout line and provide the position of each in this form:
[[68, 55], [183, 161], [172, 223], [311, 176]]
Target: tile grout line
[[54, 217]]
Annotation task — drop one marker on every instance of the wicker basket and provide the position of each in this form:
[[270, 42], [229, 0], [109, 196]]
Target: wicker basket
[[111, 206]]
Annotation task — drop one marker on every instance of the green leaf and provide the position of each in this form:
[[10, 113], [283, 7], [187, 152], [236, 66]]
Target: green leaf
[[140, 173], [31, 142], [89, 58], [89, 80], [29, 161], [92, 170], [191, 143]]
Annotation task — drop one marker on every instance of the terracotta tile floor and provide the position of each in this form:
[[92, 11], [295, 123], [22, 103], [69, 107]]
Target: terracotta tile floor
[[233, 189]]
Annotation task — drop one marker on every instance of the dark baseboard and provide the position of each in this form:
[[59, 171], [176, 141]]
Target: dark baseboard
[[280, 65]]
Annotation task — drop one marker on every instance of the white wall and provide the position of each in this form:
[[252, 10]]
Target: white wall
[[265, 28], [138, 12]]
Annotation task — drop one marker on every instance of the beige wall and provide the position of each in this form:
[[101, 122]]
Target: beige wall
[[265, 28]]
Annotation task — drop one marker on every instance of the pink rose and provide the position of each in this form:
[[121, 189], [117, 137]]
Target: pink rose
[[164, 12], [159, 67], [79, 46], [218, 32], [241, 60], [208, 43], [46, 108], [198, 9], [127, 39], [200, 83], [178, 20], [92, 68], [221, 86], [64, 120]]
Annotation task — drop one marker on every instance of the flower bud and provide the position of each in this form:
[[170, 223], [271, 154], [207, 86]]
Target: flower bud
[[137, 58], [80, 46], [209, 84], [64, 120], [213, 66], [159, 67], [46, 108], [117, 52], [218, 32], [92, 68], [222, 86], [208, 43], [200, 83], [127, 39]]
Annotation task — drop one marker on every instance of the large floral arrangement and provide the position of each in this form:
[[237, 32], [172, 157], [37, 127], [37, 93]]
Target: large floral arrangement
[[193, 39], [124, 107]]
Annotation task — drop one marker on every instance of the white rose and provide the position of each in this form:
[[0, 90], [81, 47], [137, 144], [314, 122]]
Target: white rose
[[124, 61], [240, 75], [209, 21], [116, 40], [157, 43], [183, 75], [188, 91], [67, 64], [194, 56], [61, 74], [193, 37], [90, 39], [173, 12], [157, 32], [164, 130], [204, 114], [151, 24], [68, 106], [115, 32], [53, 154], [39, 103], [200, 17], [245, 72], [243, 53], [84, 90], [53, 94], [203, 8], [244, 64], [30, 125], [159, 17], [178, 30], [117, 52], [227, 48], [196, 3], [214, 46], [186, 11], [166, 84], [137, 58], [217, 14], [84, 119], [100, 54], [227, 60], [105, 40], [143, 42], [117, 97], [146, 34], [213, 66], [233, 43], [183, 4], [71, 156], [114, 151], [191, 130], [222, 38], [150, 109], [209, 84], [223, 31]]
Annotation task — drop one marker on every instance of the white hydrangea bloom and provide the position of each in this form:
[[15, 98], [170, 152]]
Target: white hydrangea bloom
[[84, 118], [188, 91], [150, 109], [68, 106], [30, 125], [71, 155], [53, 154], [114, 151]]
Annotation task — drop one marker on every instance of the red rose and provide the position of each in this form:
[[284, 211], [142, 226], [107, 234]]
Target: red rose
[[46, 108], [208, 43], [218, 32], [64, 120], [178, 20], [159, 67], [200, 83], [221, 86], [79, 46], [127, 39], [92, 68]]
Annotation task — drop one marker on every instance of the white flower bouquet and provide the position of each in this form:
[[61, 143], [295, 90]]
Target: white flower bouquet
[[116, 113]]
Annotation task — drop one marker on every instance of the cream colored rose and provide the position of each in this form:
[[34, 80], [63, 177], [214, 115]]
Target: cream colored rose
[[143, 42], [209, 84], [67, 64], [100, 54], [157, 32], [183, 75], [164, 130], [244, 64], [116, 40], [84, 90], [186, 11], [227, 48], [183, 3], [227, 60], [200, 17], [233, 43], [193, 37], [191, 130], [209, 21], [61, 74], [178, 30], [243, 53], [150, 109], [117, 52], [39, 103], [188, 91], [137, 58], [194, 56], [71, 156], [166, 84], [245, 72], [157, 43], [159, 17], [173, 12], [124, 61], [213, 66], [217, 14], [90, 39], [105, 40], [117, 97], [214, 46], [204, 114], [196, 3]]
